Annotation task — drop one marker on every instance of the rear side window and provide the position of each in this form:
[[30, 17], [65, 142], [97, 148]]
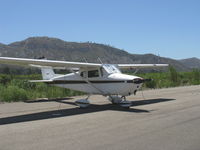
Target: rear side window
[[93, 73]]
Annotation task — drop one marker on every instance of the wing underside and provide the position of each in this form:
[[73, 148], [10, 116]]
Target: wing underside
[[42, 62]]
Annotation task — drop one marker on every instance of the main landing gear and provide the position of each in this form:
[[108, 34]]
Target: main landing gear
[[83, 103], [120, 101]]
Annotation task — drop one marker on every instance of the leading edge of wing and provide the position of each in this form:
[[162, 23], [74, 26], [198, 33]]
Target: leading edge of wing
[[43, 62], [127, 66]]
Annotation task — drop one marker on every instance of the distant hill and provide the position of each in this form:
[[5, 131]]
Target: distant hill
[[191, 62], [57, 49]]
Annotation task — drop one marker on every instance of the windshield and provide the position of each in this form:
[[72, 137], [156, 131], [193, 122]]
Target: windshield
[[111, 68]]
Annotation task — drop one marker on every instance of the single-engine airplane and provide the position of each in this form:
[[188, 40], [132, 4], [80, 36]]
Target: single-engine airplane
[[91, 78]]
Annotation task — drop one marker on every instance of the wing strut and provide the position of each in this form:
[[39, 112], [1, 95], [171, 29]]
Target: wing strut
[[89, 82]]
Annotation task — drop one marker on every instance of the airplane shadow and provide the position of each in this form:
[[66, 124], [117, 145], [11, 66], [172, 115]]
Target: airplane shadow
[[76, 111], [150, 101], [59, 100]]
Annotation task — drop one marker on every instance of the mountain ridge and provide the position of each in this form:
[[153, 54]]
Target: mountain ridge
[[191, 62], [54, 48]]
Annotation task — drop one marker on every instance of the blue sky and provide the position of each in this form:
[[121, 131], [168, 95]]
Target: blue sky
[[169, 28]]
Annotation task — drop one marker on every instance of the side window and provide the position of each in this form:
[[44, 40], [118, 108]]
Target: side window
[[83, 74], [93, 73]]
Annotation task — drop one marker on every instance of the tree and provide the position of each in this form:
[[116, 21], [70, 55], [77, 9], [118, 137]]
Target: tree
[[196, 76], [173, 75]]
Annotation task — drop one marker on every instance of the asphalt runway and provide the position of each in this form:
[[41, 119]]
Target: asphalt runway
[[161, 120]]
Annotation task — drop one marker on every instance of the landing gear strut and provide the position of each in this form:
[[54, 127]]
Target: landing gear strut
[[125, 103], [120, 101], [83, 103]]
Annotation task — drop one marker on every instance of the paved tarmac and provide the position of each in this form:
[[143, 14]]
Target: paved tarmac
[[161, 120]]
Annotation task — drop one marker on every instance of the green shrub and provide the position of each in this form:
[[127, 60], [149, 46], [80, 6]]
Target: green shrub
[[151, 84], [174, 76], [24, 84], [4, 79], [196, 77], [12, 93], [16, 87]]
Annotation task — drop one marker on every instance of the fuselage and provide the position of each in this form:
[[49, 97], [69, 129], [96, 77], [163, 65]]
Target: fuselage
[[112, 84]]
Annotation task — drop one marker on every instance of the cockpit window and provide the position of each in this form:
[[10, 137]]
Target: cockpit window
[[111, 68], [81, 74], [93, 73]]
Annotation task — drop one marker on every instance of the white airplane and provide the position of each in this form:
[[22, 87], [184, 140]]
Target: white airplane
[[91, 78]]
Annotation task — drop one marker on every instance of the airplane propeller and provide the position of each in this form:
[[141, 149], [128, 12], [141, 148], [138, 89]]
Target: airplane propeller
[[141, 80]]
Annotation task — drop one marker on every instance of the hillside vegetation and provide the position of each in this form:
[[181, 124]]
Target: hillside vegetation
[[172, 78], [56, 49], [17, 87]]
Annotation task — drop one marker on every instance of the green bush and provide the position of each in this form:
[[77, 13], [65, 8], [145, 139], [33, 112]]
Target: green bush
[[4, 79], [151, 84], [17, 87], [12, 93], [24, 84], [174, 76], [196, 77]]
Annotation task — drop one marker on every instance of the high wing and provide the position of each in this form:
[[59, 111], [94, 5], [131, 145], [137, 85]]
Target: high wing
[[129, 66], [68, 64], [43, 62]]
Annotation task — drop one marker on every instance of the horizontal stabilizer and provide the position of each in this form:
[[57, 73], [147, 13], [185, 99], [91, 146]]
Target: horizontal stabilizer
[[34, 81]]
